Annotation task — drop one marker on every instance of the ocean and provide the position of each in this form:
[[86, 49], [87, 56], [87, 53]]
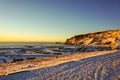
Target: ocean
[[24, 44]]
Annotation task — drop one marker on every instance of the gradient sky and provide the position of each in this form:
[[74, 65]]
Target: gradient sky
[[55, 20]]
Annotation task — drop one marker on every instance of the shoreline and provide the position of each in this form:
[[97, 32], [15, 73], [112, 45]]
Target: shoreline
[[33, 64]]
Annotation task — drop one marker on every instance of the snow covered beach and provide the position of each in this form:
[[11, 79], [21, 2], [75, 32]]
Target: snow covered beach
[[47, 62], [58, 62], [93, 66], [19, 54]]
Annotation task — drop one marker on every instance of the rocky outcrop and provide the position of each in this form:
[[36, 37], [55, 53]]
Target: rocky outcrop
[[109, 38]]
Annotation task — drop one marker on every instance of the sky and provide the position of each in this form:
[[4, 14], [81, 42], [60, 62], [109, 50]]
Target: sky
[[55, 20]]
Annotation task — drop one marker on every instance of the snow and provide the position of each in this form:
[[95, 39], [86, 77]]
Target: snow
[[99, 67]]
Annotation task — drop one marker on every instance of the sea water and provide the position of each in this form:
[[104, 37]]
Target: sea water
[[24, 44]]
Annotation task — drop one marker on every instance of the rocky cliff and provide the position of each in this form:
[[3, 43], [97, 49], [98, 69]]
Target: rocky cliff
[[102, 38]]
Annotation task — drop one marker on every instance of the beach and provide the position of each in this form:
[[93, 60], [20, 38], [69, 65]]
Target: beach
[[86, 61]]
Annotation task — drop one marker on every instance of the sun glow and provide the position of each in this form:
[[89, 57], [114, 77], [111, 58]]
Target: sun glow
[[29, 39]]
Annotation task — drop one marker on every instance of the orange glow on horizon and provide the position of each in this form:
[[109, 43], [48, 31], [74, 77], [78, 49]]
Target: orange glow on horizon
[[29, 39]]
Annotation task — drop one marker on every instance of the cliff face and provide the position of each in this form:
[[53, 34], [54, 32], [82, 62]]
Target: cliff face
[[104, 38]]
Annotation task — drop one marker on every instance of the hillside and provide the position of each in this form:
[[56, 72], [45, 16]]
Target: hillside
[[102, 38]]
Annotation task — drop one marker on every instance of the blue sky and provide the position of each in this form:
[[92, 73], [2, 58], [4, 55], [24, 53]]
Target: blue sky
[[55, 20]]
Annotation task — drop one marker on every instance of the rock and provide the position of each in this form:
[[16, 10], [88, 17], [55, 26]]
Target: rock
[[103, 40]]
